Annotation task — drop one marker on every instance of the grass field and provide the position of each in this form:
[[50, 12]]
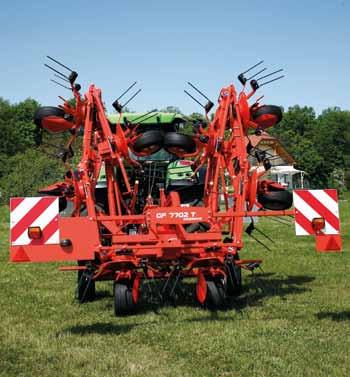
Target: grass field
[[292, 320]]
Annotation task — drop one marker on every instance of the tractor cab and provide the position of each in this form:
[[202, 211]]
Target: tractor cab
[[157, 147]]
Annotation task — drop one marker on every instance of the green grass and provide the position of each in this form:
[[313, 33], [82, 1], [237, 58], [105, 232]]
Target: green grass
[[297, 325]]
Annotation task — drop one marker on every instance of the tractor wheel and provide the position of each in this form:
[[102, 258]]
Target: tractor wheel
[[215, 295], [267, 116], [47, 111], [148, 143], [234, 280], [276, 200], [86, 287], [178, 143], [123, 302]]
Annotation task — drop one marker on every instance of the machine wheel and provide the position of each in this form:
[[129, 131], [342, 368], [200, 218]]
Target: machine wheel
[[234, 280], [86, 287], [215, 295], [123, 302], [276, 200], [178, 143], [46, 111], [148, 143], [267, 115]]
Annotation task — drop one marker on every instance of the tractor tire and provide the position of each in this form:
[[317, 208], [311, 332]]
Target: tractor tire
[[276, 200], [86, 290], [47, 111], [123, 301], [234, 280], [197, 227], [215, 295], [148, 143], [267, 116], [179, 143]]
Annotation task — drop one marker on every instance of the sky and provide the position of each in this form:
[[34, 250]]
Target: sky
[[164, 44]]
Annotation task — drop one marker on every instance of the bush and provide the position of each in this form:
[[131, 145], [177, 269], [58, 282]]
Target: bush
[[17, 130], [25, 173]]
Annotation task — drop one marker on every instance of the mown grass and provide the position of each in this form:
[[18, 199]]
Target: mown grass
[[292, 320]]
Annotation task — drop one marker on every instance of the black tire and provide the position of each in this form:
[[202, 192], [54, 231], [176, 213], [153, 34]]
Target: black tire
[[215, 295], [197, 227], [268, 110], [234, 280], [86, 287], [150, 142], [123, 301], [175, 142], [276, 200], [46, 111]]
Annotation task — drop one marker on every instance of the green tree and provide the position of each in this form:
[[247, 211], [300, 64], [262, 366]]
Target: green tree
[[171, 109], [17, 130], [296, 121], [296, 131], [320, 145], [192, 120], [332, 139], [24, 173]]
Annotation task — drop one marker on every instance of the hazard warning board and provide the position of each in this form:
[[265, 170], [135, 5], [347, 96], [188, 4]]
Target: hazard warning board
[[313, 204], [29, 212]]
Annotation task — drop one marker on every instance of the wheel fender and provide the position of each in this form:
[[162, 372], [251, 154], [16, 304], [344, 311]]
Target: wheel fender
[[55, 124], [136, 289], [201, 288]]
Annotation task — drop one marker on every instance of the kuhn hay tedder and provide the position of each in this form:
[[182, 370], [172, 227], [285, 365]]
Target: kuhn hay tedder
[[135, 223]]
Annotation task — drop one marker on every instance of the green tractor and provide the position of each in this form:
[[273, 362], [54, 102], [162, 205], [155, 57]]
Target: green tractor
[[159, 132]]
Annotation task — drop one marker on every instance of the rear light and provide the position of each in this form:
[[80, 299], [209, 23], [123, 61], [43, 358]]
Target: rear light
[[318, 223], [34, 232]]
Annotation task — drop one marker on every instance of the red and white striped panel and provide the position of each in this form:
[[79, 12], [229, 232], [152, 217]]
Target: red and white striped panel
[[310, 204], [26, 212]]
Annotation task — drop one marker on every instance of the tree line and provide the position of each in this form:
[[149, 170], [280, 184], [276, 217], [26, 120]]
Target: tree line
[[320, 145]]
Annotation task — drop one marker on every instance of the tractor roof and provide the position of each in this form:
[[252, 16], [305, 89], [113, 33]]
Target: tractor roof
[[157, 118]]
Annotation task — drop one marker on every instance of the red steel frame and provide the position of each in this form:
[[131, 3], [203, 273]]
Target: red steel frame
[[161, 243]]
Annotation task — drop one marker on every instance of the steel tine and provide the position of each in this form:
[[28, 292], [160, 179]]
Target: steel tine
[[268, 82], [194, 99], [55, 70], [131, 86], [249, 69], [270, 74], [197, 90], [59, 63], [58, 83]]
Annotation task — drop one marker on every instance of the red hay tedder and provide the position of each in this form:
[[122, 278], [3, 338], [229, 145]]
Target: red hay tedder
[[126, 233]]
